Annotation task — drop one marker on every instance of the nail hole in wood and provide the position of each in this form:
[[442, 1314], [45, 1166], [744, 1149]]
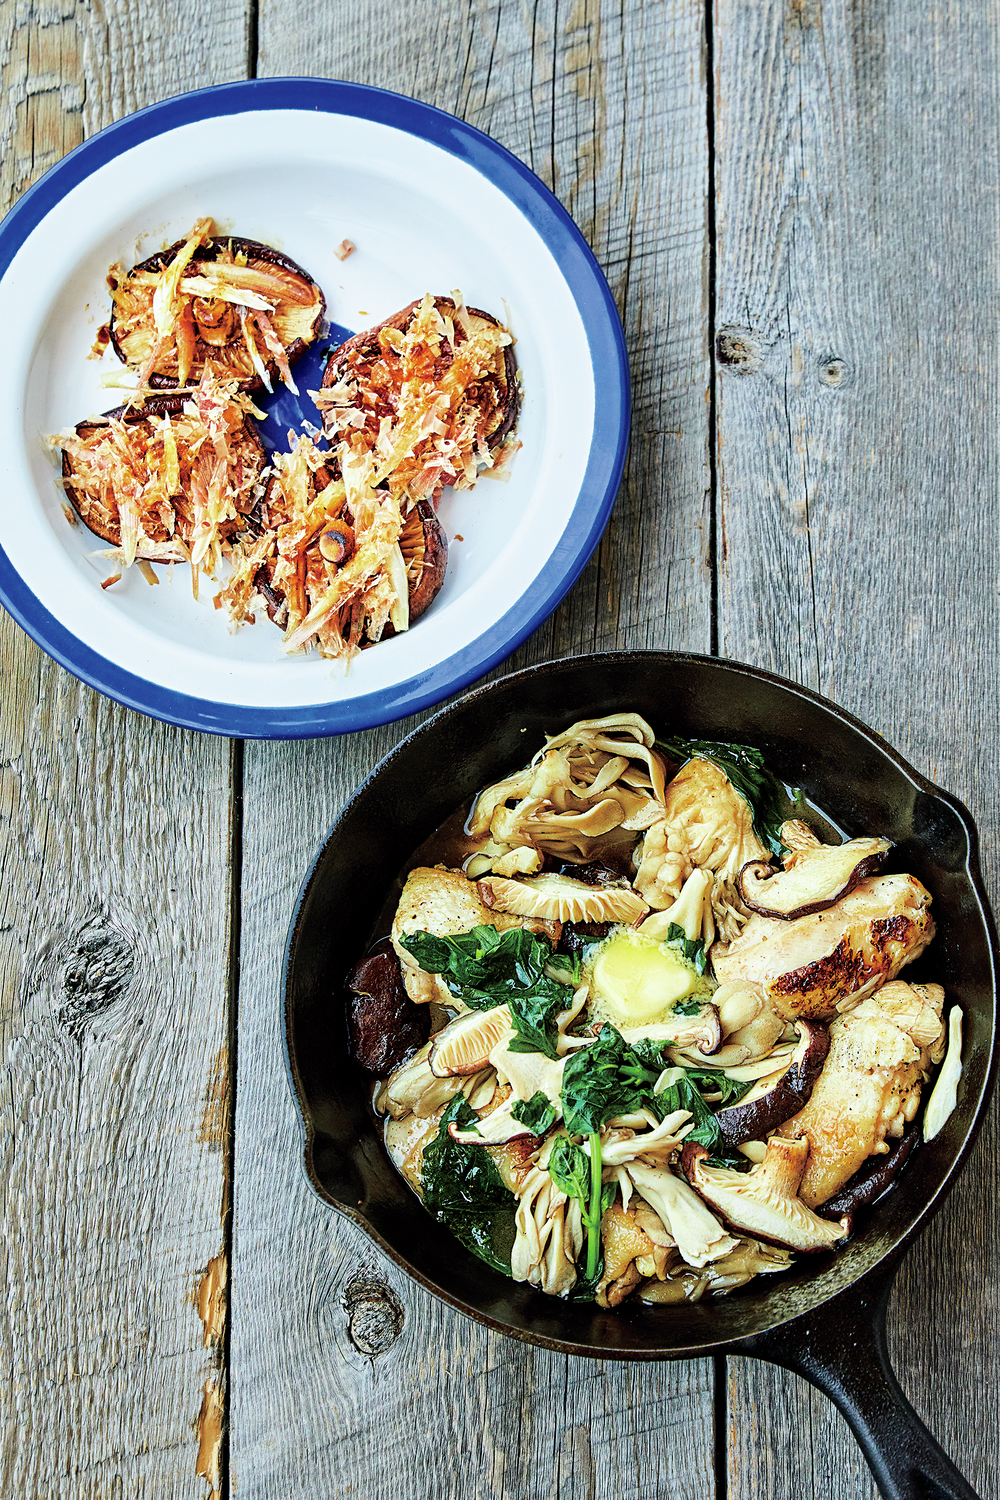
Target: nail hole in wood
[[374, 1315]]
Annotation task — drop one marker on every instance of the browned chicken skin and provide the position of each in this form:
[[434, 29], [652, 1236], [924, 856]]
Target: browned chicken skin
[[818, 965]]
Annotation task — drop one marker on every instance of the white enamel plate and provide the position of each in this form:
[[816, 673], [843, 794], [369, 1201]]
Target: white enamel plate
[[431, 204]]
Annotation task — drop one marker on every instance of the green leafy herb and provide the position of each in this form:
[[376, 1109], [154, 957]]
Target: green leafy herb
[[569, 1168], [689, 1007], [464, 1191], [613, 1078], [744, 766], [533, 1018], [714, 1081], [537, 1113], [486, 968], [691, 950], [579, 1176]]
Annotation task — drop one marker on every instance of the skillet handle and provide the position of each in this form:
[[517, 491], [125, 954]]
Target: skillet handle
[[841, 1349]]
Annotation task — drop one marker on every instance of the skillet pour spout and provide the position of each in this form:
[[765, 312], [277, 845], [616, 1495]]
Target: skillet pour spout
[[826, 1318]]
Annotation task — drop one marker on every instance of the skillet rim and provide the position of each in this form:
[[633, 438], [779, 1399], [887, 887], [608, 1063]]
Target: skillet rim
[[887, 1259]]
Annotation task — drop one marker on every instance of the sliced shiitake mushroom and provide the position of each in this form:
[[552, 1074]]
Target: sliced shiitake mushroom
[[214, 324], [384, 1026], [577, 937], [560, 898], [873, 1178], [362, 357], [465, 1044], [422, 542], [100, 512], [764, 1202], [817, 878], [772, 1101]]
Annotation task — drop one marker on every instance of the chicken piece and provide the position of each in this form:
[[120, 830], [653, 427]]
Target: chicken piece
[[869, 1088], [444, 902], [817, 965], [706, 825]]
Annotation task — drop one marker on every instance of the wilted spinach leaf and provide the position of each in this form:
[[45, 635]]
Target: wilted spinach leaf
[[464, 1191], [569, 1168], [537, 1112], [486, 968]]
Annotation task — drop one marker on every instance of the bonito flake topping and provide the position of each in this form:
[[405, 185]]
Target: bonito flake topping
[[169, 483]]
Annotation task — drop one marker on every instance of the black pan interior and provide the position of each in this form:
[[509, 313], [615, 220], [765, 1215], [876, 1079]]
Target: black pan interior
[[843, 768]]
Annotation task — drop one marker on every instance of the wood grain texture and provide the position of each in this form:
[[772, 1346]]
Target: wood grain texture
[[114, 918], [595, 100], [857, 188]]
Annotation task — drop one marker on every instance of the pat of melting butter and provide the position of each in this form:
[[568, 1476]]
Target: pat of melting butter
[[637, 982]]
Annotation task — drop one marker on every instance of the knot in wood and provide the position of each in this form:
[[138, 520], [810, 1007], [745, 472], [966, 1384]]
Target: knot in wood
[[833, 371], [98, 971], [737, 349], [374, 1315]]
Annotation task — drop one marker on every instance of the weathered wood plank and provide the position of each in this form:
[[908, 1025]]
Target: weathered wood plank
[[857, 183], [596, 101], [114, 916]]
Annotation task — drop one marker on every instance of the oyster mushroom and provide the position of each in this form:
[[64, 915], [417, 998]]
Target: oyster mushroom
[[681, 1284], [944, 1095], [700, 1032], [764, 1202], [699, 1236], [813, 966], [414, 1089], [549, 1235], [750, 1024], [623, 1240], [813, 881], [692, 910], [528, 1073], [623, 1146], [869, 1088], [774, 1100], [586, 795], [405, 1139], [560, 898]]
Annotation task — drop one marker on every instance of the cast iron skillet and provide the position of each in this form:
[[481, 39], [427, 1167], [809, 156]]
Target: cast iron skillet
[[826, 1320]]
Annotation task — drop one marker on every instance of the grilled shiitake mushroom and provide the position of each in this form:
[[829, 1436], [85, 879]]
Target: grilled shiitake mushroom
[[242, 306], [422, 542], [127, 453], [371, 360]]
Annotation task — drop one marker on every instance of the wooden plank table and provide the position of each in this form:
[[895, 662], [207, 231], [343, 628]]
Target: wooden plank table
[[796, 205]]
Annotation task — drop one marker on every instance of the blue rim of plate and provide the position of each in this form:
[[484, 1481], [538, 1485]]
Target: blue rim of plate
[[607, 452]]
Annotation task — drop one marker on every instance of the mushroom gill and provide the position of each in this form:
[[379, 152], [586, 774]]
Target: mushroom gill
[[560, 898]]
